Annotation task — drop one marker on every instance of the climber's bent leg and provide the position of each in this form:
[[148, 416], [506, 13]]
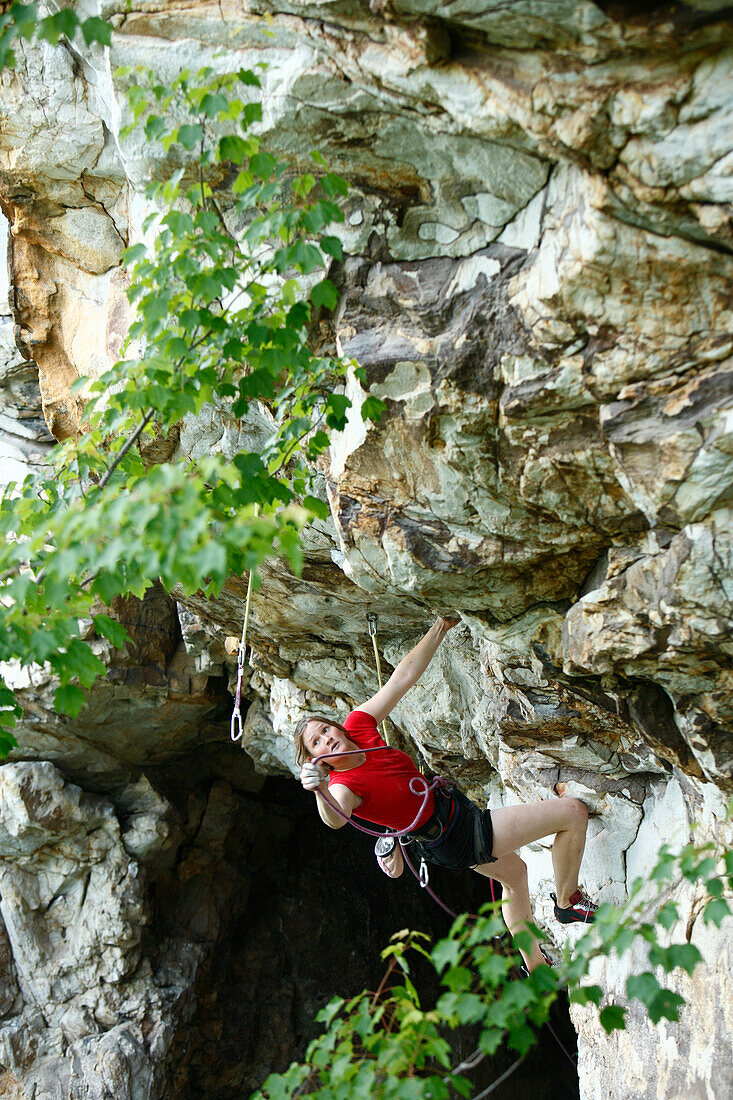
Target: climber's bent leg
[[516, 909], [515, 826]]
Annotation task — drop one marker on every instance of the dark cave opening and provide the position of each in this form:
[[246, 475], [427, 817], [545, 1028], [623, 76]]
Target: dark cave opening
[[307, 920]]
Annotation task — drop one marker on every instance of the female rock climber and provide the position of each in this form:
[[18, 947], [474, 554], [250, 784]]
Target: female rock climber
[[451, 831]]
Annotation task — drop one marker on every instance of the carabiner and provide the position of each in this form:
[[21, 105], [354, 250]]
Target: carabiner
[[424, 875], [236, 722], [372, 624]]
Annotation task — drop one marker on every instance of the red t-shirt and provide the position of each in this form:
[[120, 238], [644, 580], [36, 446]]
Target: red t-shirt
[[383, 780]]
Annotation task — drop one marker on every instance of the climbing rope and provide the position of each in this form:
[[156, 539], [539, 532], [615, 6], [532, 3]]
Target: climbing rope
[[423, 788], [372, 627], [235, 727], [418, 786]]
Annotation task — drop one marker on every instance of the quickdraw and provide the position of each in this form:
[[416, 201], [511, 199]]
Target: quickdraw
[[235, 727]]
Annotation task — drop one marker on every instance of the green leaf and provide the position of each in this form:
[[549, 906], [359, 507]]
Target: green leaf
[[262, 165], [179, 221], [373, 409], [586, 994], [684, 955], [318, 507], [111, 629], [190, 135], [214, 103], [95, 29], [668, 915], [107, 586], [665, 867], [613, 1018], [458, 978], [133, 253], [251, 112], [69, 699], [242, 183], [234, 148], [8, 700], [521, 1038], [716, 911], [334, 185], [79, 661], [61, 22], [324, 294], [462, 1086], [7, 741], [246, 76], [78, 384], [490, 1040], [154, 127], [318, 443], [493, 967], [332, 246], [189, 319], [43, 645], [446, 953], [643, 986], [211, 560], [465, 1008], [337, 405], [665, 1005], [304, 256]]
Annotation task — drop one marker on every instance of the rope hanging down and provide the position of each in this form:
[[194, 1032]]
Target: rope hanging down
[[235, 728], [372, 626]]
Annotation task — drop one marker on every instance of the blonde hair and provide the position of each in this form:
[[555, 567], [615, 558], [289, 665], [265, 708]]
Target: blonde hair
[[301, 752]]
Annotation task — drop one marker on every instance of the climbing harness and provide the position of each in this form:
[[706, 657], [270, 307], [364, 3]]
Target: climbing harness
[[422, 788], [235, 727]]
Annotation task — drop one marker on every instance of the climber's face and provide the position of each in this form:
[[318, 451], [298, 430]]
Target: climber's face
[[324, 737]]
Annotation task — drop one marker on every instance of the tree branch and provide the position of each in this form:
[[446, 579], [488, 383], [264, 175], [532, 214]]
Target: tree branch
[[123, 451], [500, 1080]]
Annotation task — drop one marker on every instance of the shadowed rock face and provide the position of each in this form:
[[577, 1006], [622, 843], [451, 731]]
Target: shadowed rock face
[[537, 276], [183, 947]]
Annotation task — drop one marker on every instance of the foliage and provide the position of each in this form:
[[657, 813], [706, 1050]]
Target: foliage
[[20, 22], [388, 1045], [225, 296]]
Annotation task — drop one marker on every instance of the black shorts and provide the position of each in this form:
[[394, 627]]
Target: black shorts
[[468, 835]]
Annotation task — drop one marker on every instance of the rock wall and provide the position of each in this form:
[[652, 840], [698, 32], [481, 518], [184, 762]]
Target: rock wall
[[537, 280]]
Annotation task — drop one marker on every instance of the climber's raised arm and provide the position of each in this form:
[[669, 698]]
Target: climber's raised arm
[[408, 671]]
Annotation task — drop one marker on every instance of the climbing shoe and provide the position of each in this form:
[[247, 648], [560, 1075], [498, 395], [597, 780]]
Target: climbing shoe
[[580, 911]]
